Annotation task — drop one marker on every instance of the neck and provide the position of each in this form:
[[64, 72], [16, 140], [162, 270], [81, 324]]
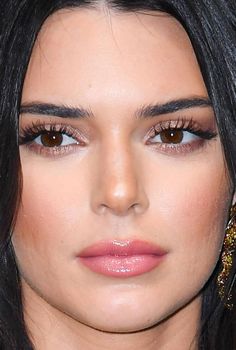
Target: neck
[[52, 329]]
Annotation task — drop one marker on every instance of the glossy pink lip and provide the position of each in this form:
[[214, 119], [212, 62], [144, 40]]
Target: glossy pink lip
[[122, 258]]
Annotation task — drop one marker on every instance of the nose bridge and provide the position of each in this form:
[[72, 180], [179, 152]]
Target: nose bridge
[[118, 187], [121, 178]]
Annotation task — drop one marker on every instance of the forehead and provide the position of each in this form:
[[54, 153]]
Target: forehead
[[85, 55]]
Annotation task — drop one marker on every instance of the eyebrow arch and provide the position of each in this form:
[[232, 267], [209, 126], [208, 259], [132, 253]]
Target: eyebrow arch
[[50, 109], [149, 111], [145, 112]]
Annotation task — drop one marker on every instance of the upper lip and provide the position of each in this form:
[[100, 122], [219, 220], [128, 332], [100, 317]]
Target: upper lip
[[121, 248]]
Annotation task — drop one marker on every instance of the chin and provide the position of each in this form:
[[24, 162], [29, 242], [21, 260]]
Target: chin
[[116, 325], [132, 313], [123, 320]]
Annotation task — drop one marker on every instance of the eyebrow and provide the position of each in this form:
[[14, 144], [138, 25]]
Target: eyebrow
[[50, 109], [149, 111], [144, 112]]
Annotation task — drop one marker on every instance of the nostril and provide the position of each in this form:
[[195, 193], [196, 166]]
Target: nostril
[[119, 191], [121, 205]]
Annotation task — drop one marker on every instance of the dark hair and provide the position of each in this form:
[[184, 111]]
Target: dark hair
[[211, 26]]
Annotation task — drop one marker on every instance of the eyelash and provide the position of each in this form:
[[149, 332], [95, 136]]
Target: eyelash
[[29, 134], [182, 124]]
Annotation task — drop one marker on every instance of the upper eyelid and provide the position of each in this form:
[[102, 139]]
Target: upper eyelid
[[178, 123], [39, 125], [72, 130], [30, 133], [48, 127], [185, 123]]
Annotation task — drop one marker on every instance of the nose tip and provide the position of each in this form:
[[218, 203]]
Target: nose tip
[[120, 197], [122, 200]]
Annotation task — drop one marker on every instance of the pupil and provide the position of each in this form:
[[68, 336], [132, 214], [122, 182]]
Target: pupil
[[51, 139], [171, 136]]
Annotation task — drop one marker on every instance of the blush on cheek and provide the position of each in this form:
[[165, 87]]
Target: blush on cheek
[[51, 215], [196, 194], [194, 209]]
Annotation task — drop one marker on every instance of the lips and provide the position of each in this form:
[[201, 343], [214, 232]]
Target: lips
[[126, 258]]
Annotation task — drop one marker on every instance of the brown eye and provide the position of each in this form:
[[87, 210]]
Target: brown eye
[[51, 139], [171, 136]]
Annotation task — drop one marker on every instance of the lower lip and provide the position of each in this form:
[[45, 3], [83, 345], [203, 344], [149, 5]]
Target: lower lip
[[122, 266]]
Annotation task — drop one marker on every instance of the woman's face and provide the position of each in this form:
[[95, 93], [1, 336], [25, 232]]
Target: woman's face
[[122, 164]]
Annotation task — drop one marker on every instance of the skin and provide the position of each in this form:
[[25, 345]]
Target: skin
[[117, 186]]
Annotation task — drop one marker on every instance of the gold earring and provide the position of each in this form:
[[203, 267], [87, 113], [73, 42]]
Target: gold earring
[[229, 248]]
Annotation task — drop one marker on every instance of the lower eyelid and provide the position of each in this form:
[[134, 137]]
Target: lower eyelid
[[51, 151], [166, 149], [179, 149]]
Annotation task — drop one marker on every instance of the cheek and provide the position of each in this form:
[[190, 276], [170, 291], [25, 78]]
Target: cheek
[[192, 202], [52, 213]]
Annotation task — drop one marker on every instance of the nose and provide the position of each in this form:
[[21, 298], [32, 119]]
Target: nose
[[118, 188]]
